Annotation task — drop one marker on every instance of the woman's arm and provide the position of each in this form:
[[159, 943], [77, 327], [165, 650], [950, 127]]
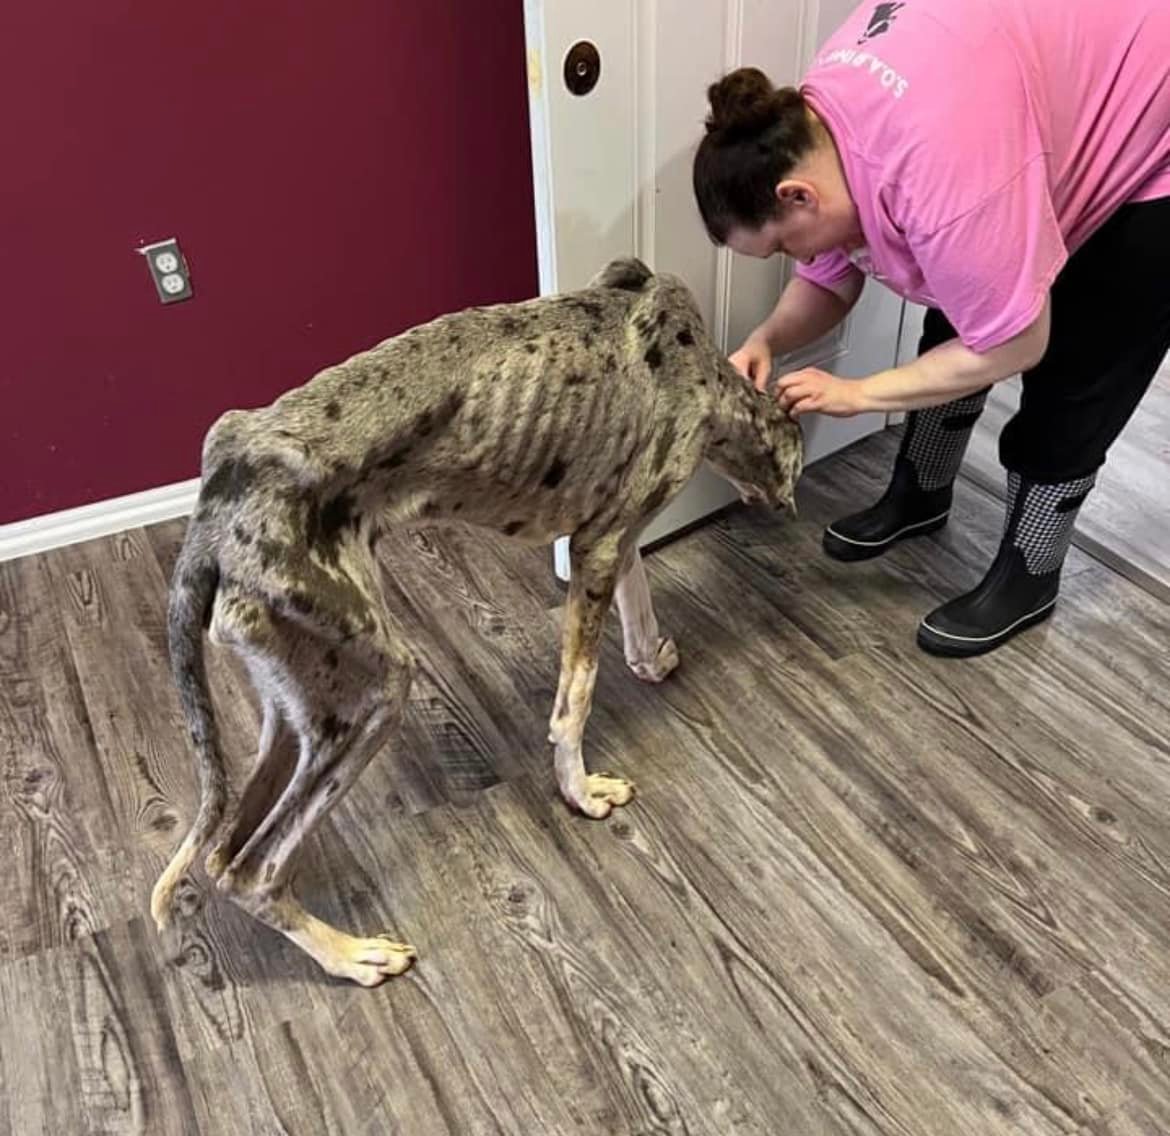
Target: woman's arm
[[944, 373], [804, 312]]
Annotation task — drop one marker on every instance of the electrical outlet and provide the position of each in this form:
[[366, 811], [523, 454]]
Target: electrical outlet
[[168, 270]]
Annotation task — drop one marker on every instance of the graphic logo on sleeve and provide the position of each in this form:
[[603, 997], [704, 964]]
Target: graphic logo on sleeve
[[881, 20]]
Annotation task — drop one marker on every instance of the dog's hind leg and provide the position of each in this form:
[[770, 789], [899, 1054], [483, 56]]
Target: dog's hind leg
[[591, 590], [275, 763], [650, 656], [339, 727]]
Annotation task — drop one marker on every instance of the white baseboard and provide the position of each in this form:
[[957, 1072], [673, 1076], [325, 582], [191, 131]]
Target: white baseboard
[[102, 518]]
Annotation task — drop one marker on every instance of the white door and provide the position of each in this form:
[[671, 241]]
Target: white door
[[612, 175]]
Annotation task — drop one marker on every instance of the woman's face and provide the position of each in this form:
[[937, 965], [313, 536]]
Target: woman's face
[[807, 222]]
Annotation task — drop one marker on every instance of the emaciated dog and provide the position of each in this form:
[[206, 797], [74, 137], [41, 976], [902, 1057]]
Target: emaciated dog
[[579, 415]]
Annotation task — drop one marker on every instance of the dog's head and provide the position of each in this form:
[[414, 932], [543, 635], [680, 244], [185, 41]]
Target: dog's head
[[762, 455]]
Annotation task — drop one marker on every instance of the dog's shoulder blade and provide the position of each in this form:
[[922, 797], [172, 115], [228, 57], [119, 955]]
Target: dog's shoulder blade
[[627, 273]]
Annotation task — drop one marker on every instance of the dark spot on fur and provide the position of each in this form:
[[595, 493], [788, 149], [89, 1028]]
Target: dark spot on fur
[[665, 444], [327, 527], [229, 481], [202, 583], [574, 378], [685, 338], [513, 527], [334, 727], [530, 348], [509, 326], [476, 421], [164, 822], [301, 601], [242, 535], [272, 552], [594, 595], [589, 307], [457, 506], [394, 460], [653, 356], [610, 362], [658, 498], [332, 410], [331, 659], [662, 319], [430, 508], [587, 340], [554, 475]]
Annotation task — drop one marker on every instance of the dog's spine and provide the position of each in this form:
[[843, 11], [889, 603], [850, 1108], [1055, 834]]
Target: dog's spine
[[196, 580]]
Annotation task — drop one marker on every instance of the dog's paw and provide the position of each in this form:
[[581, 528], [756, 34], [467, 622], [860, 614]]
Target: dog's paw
[[664, 661], [603, 793], [368, 962]]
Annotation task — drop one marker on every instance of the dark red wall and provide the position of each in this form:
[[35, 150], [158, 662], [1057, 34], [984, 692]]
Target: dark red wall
[[334, 172]]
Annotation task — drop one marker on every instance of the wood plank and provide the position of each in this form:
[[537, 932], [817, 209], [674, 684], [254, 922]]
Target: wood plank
[[861, 891], [291, 1078], [528, 974], [66, 874], [87, 1045]]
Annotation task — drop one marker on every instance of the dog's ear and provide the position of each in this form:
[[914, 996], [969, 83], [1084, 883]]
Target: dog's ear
[[627, 273]]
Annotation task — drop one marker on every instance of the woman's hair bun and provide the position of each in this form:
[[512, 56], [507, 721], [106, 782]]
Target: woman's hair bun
[[745, 103]]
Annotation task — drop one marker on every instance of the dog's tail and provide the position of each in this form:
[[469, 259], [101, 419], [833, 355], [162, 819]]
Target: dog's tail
[[193, 589]]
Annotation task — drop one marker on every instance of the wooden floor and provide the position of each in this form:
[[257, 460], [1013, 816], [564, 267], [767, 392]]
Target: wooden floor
[[861, 892], [1126, 521]]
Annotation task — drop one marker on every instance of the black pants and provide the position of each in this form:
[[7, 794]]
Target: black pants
[[1110, 333]]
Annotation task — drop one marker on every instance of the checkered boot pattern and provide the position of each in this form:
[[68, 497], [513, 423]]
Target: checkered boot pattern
[[1040, 519], [936, 439]]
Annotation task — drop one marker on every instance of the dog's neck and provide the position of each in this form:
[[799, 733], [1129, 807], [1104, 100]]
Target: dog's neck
[[741, 413]]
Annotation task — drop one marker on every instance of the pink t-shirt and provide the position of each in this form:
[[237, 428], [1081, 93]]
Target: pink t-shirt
[[984, 140]]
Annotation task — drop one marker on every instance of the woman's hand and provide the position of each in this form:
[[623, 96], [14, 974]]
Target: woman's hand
[[754, 361], [802, 392]]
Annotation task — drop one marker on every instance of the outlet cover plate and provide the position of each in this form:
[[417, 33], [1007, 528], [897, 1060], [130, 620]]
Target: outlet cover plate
[[168, 270]]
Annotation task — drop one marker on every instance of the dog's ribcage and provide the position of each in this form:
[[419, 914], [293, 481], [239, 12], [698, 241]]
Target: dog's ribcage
[[527, 418]]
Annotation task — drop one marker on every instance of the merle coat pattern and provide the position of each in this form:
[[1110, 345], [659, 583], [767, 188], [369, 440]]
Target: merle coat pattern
[[580, 415]]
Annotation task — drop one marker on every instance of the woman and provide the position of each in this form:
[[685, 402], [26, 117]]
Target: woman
[[1007, 164]]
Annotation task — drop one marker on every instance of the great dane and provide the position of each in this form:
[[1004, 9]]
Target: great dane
[[580, 415]]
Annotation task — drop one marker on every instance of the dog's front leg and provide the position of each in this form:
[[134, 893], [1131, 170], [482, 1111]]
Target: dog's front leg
[[591, 591], [650, 656]]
